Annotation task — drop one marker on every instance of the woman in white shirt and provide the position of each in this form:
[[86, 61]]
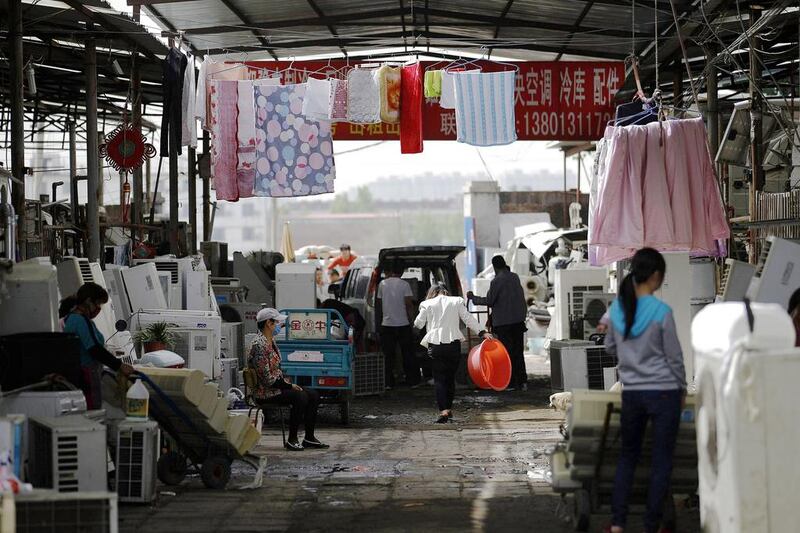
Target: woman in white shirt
[[441, 315]]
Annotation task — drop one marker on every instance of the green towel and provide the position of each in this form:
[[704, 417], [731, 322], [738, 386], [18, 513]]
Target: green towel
[[433, 84]]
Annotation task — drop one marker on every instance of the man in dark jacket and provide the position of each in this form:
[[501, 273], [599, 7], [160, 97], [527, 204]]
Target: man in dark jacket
[[506, 299]]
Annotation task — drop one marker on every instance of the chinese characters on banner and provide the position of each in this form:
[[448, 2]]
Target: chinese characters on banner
[[308, 326], [554, 100]]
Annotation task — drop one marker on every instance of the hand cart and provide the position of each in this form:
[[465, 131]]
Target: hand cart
[[313, 356], [190, 444], [585, 463]]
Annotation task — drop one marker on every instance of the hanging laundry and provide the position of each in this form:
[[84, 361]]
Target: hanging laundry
[[224, 145], [188, 121], [246, 134], [411, 100], [389, 80], [317, 98], [213, 70], [447, 100], [485, 108], [363, 96], [433, 83], [655, 187], [173, 72], [337, 101], [294, 155]]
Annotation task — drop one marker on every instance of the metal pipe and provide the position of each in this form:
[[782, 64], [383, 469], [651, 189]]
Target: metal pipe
[[756, 132], [192, 156], [73, 171], [174, 142], [206, 188], [565, 215], [17, 117], [137, 197], [92, 153]]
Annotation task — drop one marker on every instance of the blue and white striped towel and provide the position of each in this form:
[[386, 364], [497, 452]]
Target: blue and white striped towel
[[485, 108]]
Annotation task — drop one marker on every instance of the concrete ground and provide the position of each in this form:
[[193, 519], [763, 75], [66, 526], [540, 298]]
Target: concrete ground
[[392, 469]]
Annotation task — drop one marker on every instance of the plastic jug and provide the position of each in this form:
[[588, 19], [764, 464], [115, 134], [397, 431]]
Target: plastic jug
[[137, 401]]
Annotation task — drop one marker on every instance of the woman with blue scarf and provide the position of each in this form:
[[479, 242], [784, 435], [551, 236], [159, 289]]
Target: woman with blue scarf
[[643, 336]]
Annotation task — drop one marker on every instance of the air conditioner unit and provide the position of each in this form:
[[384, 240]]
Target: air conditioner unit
[[143, 289], [47, 510], [215, 256], [31, 300], [295, 286], [199, 348], [74, 272], [138, 446], [595, 305], [570, 286], [67, 453], [177, 269], [736, 280], [116, 290], [578, 365], [197, 290], [535, 288], [778, 273], [44, 404], [232, 342], [229, 377]]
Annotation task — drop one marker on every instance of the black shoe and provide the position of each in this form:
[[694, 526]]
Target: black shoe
[[293, 446], [314, 444], [441, 420]]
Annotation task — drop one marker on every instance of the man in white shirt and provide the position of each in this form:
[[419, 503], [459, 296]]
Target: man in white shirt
[[395, 305]]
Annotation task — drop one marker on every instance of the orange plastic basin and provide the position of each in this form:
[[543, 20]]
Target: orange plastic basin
[[489, 365]]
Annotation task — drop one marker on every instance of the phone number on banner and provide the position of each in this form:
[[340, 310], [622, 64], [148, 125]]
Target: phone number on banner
[[563, 124]]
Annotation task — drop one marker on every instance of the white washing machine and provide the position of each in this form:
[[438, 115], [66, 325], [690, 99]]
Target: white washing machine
[[748, 421]]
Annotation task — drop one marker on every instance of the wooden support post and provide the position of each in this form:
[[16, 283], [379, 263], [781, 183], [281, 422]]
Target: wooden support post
[[92, 153], [17, 165], [192, 157], [756, 121]]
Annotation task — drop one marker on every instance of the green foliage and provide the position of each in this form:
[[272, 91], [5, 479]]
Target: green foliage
[[156, 332]]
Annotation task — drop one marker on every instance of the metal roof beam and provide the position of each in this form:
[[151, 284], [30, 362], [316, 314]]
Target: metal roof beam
[[576, 27], [241, 16], [503, 14], [320, 16], [103, 20]]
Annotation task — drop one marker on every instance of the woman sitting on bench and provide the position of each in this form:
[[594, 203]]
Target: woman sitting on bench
[[273, 389]]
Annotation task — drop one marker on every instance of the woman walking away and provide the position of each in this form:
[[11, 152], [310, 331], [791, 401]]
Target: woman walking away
[[642, 334], [441, 315]]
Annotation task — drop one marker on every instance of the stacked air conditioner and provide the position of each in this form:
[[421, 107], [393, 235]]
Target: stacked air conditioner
[[186, 283], [137, 454], [30, 303], [172, 272], [67, 454], [778, 273], [571, 286], [535, 288], [74, 272], [736, 280], [578, 364], [595, 305]]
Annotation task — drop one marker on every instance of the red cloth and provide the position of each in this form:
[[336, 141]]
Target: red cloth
[[411, 99]]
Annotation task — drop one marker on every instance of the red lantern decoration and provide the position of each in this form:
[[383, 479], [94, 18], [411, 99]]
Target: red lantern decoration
[[126, 148]]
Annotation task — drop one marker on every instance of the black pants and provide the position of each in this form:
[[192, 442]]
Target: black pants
[[444, 363], [663, 410], [513, 338], [390, 338], [304, 405]]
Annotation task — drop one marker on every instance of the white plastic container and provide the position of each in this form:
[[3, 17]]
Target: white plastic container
[[137, 402]]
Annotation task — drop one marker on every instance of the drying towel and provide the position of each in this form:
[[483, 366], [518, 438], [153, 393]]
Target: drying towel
[[294, 155], [447, 100], [189, 122], [363, 97], [315, 102], [211, 70], [433, 84], [337, 101], [246, 134], [485, 108], [224, 101], [389, 80], [411, 109]]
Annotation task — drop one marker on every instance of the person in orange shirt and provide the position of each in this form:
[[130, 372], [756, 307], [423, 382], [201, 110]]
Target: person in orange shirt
[[344, 260]]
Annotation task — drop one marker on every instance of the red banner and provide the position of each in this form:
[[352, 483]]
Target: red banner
[[554, 100]]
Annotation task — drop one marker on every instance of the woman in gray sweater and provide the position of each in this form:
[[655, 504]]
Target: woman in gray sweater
[[642, 334]]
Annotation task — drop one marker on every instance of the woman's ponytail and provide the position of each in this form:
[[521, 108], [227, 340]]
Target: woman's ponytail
[[627, 299]]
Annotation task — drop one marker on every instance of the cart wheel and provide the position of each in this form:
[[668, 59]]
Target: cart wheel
[[669, 519], [344, 412], [215, 472], [171, 468], [583, 510]]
